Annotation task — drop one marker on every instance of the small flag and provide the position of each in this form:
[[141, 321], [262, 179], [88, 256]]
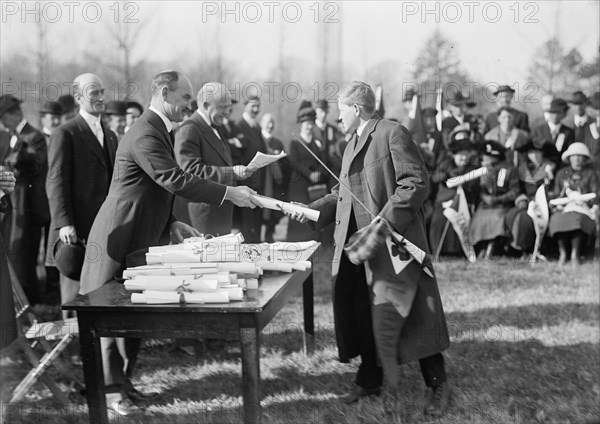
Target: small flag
[[379, 108], [460, 218]]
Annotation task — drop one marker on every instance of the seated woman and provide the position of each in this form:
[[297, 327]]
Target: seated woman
[[499, 188], [536, 169], [507, 134], [305, 171], [461, 159], [571, 222]]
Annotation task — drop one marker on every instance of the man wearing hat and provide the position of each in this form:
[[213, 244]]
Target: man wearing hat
[[26, 154], [77, 188], [505, 95], [381, 315], [134, 111], [115, 117], [69, 107], [578, 103], [457, 106], [560, 135], [250, 138], [51, 118]]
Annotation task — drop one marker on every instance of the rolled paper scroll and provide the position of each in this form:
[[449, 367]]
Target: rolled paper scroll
[[469, 176], [575, 198], [278, 205], [171, 269], [162, 297], [170, 283]]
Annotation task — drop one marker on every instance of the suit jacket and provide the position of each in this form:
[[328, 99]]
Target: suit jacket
[[36, 140], [8, 322], [78, 177], [591, 138], [137, 211], [565, 137], [448, 124], [521, 120], [385, 170], [510, 140], [252, 142], [580, 130], [200, 152]]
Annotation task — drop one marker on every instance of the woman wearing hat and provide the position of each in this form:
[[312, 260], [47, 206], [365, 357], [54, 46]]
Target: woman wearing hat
[[534, 170], [499, 188], [306, 174], [572, 222], [460, 160]]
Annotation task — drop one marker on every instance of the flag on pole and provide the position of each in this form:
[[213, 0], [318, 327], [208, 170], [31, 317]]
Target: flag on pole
[[379, 108], [539, 213], [416, 125], [439, 106], [459, 216]]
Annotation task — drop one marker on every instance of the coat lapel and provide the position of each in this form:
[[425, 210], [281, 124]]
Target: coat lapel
[[364, 136], [220, 146], [155, 120], [90, 140]]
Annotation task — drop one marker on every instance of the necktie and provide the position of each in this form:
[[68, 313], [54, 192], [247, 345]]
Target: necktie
[[216, 130], [99, 132]]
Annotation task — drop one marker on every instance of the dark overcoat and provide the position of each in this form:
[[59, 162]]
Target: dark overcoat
[[385, 170], [137, 211], [199, 151]]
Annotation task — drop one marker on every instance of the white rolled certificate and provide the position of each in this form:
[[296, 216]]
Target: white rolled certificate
[[163, 283], [275, 266], [469, 176], [161, 297], [174, 269], [576, 198], [278, 205]]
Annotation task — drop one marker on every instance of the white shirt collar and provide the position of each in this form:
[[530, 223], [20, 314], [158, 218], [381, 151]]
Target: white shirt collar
[[554, 127], [266, 135], [166, 120], [90, 119], [580, 120], [206, 119], [248, 119], [321, 125], [21, 126], [361, 127]]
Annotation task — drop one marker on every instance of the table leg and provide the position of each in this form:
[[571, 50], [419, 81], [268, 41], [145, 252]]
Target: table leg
[[249, 340], [309, 315], [92, 371]]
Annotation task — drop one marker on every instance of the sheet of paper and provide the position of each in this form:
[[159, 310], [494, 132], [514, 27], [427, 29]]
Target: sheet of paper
[[260, 159]]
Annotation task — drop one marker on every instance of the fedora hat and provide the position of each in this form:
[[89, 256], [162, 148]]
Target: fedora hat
[[69, 259], [53, 108], [504, 88]]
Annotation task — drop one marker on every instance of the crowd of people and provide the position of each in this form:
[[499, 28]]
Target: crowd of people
[[117, 177]]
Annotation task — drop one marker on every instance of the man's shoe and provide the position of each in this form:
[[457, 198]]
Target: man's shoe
[[124, 407], [357, 392], [137, 395], [438, 400]]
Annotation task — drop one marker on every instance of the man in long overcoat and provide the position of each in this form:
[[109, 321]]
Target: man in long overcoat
[[384, 317]]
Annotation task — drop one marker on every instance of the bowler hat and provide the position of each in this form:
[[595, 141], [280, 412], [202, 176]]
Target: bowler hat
[[558, 105], [69, 259], [458, 99], [53, 108], [429, 111], [306, 114], [8, 102], [116, 108], [575, 149], [322, 104], [67, 102], [492, 148], [504, 88], [578, 98], [545, 146], [595, 101]]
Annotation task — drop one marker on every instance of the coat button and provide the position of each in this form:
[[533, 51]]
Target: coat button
[[344, 175], [339, 199], [337, 222]]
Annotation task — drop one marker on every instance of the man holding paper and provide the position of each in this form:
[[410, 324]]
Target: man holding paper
[[384, 317], [201, 149]]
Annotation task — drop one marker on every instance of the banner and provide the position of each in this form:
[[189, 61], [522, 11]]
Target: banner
[[460, 218]]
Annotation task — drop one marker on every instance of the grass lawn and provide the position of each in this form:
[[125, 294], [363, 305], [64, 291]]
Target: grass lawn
[[525, 349]]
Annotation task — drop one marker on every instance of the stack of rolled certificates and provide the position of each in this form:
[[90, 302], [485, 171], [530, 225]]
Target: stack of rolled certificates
[[210, 270]]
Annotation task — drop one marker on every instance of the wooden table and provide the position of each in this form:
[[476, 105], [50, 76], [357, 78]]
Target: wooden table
[[108, 312]]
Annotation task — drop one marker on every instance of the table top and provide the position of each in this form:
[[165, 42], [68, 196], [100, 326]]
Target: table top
[[115, 297]]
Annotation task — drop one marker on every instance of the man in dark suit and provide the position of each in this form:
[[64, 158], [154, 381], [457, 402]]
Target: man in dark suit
[[457, 105], [579, 102], [252, 142], [8, 324], [137, 214], [553, 131], [69, 107], [382, 316], [28, 151], [505, 95], [201, 149], [591, 133], [51, 118], [81, 158]]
